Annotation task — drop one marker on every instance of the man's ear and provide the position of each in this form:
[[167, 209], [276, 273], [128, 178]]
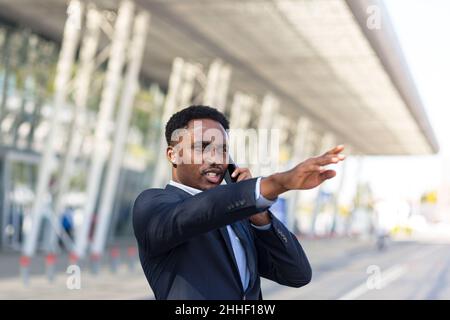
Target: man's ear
[[171, 156]]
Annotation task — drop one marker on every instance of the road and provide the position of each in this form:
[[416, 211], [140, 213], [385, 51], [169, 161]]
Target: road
[[405, 270]]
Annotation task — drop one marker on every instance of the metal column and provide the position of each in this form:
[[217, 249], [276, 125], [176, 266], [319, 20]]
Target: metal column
[[212, 83], [187, 87], [162, 167], [66, 59], [218, 81], [130, 88], [269, 110], [327, 142], [77, 127], [240, 116], [337, 193], [300, 152], [107, 104]]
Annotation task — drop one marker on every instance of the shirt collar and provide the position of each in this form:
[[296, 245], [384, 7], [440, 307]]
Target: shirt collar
[[186, 188]]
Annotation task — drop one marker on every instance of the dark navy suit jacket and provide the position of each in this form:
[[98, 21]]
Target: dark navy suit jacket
[[186, 253]]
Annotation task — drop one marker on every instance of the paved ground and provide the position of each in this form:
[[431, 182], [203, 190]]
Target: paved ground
[[342, 269], [406, 270]]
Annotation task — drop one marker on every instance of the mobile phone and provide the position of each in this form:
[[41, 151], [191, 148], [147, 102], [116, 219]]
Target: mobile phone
[[230, 170]]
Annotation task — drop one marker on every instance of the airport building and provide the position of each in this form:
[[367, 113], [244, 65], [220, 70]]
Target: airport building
[[87, 86]]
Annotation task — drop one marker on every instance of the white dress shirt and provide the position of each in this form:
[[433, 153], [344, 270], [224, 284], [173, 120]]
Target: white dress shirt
[[238, 249]]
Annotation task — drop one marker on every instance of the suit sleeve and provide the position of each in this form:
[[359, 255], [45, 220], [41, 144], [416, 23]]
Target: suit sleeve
[[280, 256], [162, 221]]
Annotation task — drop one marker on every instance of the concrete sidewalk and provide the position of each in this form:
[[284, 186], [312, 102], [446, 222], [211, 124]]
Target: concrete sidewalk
[[125, 283], [107, 285]]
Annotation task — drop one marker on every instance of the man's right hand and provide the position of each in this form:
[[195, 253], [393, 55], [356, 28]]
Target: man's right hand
[[306, 175]]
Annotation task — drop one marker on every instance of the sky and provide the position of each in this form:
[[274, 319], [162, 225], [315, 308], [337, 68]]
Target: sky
[[423, 30]]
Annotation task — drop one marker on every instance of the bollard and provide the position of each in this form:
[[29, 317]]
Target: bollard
[[50, 261], [131, 253], [115, 254], [73, 258], [25, 269], [95, 263]]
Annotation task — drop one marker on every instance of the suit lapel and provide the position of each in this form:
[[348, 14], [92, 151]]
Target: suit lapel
[[243, 235]]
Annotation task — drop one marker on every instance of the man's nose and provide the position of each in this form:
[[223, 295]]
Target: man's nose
[[211, 158], [214, 157]]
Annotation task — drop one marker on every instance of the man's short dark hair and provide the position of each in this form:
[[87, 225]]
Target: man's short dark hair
[[180, 119]]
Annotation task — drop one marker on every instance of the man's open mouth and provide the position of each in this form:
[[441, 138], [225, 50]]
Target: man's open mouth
[[213, 176]]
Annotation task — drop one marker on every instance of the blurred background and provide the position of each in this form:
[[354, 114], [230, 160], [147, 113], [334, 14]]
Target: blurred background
[[86, 88]]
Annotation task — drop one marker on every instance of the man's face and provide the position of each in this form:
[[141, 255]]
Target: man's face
[[201, 155]]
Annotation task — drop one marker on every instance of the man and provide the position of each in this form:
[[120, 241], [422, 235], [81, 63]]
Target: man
[[199, 239]]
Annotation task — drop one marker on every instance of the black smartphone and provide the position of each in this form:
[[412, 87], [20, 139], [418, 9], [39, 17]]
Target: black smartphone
[[230, 170]]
